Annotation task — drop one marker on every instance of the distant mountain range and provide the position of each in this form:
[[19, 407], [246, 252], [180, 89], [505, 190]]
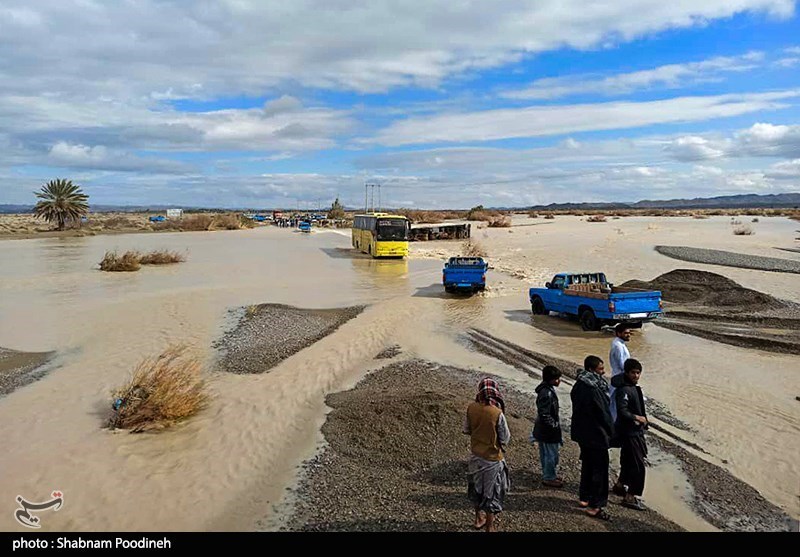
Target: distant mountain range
[[745, 201]]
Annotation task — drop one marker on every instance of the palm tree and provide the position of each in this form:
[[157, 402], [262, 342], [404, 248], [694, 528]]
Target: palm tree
[[61, 202]]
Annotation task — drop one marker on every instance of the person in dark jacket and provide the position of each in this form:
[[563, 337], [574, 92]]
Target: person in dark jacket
[[547, 429], [629, 432], [592, 429]]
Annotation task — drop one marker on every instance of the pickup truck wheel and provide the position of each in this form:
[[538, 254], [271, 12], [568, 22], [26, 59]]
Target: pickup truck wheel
[[537, 307], [589, 321]]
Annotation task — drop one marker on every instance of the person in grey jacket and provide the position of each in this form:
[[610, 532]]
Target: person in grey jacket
[[547, 429], [629, 432]]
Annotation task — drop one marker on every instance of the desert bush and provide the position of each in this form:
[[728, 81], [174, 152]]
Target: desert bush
[[735, 222], [473, 248], [754, 220], [128, 261], [699, 216], [533, 215], [162, 257], [228, 221], [118, 222], [596, 218], [549, 216], [195, 222], [743, 231], [422, 217], [162, 391], [500, 222]]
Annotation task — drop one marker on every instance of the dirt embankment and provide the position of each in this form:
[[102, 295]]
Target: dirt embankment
[[730, 259], [712, 306], [396, 460], [267, 334]]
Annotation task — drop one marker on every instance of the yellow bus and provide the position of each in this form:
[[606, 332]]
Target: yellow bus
[[381, 234]]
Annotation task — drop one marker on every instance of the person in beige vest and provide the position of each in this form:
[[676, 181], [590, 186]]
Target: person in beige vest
[[487, 472]]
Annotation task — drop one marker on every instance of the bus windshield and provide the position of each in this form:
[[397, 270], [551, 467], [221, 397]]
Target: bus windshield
[[392, 229]]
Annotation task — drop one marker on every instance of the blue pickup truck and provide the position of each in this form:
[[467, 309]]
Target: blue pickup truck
[[464, 274], [304, 226], [595, 301]]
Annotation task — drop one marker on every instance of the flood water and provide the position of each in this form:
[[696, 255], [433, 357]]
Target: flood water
[[228, 467]]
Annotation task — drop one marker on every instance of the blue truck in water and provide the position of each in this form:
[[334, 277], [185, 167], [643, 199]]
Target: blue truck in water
[[304, 226], [595, 301], [466, 274]]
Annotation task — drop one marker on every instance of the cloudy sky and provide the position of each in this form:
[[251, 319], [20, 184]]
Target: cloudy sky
[[257, 103]]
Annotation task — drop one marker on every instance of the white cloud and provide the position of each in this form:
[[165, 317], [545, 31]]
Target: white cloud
[[98, 157], [788, 62], [695, 148], [764, 139], [788, 170], [246, 46], [536, 121], [667, 76]]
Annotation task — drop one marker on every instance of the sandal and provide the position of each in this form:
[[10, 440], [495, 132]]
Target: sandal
[[601, 514], [635, 505], [583, 504]]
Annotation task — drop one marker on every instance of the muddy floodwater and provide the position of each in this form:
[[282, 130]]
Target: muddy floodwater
[[229, 467]]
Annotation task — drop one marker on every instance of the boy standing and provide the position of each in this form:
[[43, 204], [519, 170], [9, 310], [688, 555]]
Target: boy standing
[[547, 429], [629, 429]]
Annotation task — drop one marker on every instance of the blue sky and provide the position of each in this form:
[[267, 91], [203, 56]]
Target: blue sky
[[447, 105]]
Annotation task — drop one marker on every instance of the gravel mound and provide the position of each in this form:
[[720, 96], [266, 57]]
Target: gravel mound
[[17, 369], [269, 333], [730, 259], [396, 460], [688, 286]]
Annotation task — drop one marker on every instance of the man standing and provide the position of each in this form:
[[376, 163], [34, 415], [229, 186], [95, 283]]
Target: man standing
[[617, 356], [485, 423], [592, 429], [629, 429]]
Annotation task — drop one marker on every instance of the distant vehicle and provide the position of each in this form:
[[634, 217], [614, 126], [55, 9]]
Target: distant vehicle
[[381, 234], [157, 218], [305, 226], [464, 274], [595, 301]]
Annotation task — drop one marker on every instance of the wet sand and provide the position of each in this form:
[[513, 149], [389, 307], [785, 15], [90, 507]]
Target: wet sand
[[396, 460], [17, 369]]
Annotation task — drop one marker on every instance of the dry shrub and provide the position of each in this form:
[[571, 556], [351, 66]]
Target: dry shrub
[[500, 222], [228, 221], [118, 222], [735, 222], [549, 216], [195, 222], [754, 220], [743, 231], [423, 217], [699, 216], [596, 218], [128, 261], [162, 391], [162, 257], [533, 215], [473, 248]]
